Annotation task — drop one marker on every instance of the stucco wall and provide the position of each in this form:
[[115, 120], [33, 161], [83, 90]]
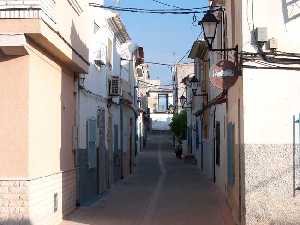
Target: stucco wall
[[160, 121], [268, 145], [235, 116], [66, 36], [72, 24], [51, 115], [14, 116]]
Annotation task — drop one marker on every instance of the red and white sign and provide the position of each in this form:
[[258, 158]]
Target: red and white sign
[[223, 74]]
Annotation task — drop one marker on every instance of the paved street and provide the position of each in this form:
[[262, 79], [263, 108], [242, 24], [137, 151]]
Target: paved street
[[163, 191]]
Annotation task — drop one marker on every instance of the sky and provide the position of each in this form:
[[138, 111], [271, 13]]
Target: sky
[[165, 38]]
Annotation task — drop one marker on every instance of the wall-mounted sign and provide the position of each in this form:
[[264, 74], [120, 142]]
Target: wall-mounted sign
[[223, 74]]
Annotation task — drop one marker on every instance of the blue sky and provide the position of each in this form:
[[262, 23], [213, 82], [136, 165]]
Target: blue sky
[[165, 38]]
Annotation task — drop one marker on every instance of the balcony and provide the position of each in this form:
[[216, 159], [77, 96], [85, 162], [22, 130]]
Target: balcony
[[28, 9]]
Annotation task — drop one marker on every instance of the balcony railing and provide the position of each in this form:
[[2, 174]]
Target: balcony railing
[[27, 9]]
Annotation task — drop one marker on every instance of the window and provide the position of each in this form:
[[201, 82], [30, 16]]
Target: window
[[162, 102], [218, 154]]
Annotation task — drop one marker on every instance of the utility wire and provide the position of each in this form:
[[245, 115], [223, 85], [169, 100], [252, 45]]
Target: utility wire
[[153, 63], [173, 6], [151, 11], [188, 51]]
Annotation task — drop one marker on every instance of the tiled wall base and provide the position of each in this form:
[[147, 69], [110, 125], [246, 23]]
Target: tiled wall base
[[32, 201]]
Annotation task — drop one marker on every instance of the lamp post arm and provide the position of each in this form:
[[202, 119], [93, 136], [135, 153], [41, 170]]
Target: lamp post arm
[[224, 49]]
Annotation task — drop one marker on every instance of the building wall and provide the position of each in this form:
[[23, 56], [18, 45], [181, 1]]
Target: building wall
[[181, 71], [14, 120], [235, 116], [51, 156], [47, 165], [56, 139], [160, 121], [273, 95], [62, 31], [270, 136]]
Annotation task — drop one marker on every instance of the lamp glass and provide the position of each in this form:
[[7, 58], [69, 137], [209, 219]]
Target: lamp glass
[[194, 84], [209, 25], [182, 100]]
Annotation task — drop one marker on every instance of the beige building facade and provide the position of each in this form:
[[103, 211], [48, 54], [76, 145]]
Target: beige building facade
[[43, 49]]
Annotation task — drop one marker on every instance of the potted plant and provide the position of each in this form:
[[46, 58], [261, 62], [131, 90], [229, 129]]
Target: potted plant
[[178, 127]]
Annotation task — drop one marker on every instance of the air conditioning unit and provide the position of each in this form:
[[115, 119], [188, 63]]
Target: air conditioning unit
[[115, 86], [100, 57]]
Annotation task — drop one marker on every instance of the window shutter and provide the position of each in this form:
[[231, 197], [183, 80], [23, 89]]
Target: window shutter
[[91, 143]]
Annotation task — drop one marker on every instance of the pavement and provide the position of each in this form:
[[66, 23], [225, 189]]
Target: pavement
[[163, 191]]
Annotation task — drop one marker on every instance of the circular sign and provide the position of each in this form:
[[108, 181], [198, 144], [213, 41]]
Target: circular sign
[[223, 74]]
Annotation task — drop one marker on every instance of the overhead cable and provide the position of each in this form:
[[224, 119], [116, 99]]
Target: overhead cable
[[151, 11]]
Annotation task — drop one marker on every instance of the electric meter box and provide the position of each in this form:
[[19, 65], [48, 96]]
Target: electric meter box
[[261, 34]]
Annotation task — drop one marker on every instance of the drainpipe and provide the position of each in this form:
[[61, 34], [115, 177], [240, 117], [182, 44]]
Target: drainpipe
[[76, 150], [121, 121], [214, 146]]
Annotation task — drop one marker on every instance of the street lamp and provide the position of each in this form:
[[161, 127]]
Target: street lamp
[[194, 85], [209, 25], [182, 100]]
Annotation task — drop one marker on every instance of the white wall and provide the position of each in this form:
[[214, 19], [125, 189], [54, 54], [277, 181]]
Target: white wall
[[96, 80], [271, 94], [160, 121]]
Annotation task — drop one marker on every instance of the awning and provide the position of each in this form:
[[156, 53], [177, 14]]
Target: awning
[[199, 50], [220, 99]]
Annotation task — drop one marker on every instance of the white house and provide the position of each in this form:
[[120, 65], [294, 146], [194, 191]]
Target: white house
[[103, 115]]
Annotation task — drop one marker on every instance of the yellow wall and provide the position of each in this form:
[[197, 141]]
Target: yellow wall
[[13, 116]]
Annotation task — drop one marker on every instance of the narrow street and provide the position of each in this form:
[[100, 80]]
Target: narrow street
[[163, 191]]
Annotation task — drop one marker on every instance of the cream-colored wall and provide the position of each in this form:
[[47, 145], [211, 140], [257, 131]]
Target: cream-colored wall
[[14, 116], [67, 39], [235, 116], [51, 115], [73, 25]]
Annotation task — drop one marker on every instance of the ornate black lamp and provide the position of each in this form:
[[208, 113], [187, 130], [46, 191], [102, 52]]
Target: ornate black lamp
[[209, 25], [194, 85], [182, 100]]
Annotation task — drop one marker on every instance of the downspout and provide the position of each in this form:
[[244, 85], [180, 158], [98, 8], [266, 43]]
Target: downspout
[[76, 150], [121, 122], [214, 146]]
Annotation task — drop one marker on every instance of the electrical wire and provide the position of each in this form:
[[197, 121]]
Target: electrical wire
[[189, 50], [88, 92], [177, 7], [151, 11]]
